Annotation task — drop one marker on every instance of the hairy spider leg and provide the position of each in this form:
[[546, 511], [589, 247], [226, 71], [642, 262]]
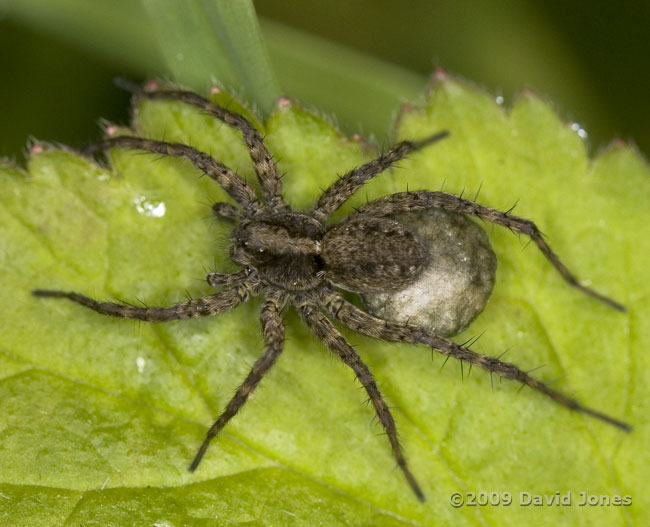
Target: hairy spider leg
[[236, 186], [263, 162], [206, 306], [220, 279], [425, 199], [358, 320], [273, 331], [339, 191], [228, 212], [332, 338]]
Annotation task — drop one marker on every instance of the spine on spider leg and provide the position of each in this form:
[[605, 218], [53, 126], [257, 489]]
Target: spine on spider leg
[[127, 85]]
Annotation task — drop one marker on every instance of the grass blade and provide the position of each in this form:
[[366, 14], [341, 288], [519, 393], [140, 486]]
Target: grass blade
[[238, 31], [189, 44]]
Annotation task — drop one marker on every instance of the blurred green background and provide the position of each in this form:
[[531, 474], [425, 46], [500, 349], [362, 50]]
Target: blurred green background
[[358, 59]]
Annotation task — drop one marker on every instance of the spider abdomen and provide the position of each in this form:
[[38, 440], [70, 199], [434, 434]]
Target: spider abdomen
[[456, 281], [369, 254]]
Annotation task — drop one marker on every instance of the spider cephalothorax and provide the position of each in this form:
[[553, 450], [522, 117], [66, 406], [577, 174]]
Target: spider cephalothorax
[[300, 258]]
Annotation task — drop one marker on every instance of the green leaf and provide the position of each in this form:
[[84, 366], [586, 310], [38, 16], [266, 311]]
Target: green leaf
[[100, 417]]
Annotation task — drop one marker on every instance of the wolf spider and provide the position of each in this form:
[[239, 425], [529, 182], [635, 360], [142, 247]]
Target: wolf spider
[[298, 258]]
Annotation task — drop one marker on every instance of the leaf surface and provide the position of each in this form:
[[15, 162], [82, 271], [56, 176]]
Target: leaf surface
[[99, 417]]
